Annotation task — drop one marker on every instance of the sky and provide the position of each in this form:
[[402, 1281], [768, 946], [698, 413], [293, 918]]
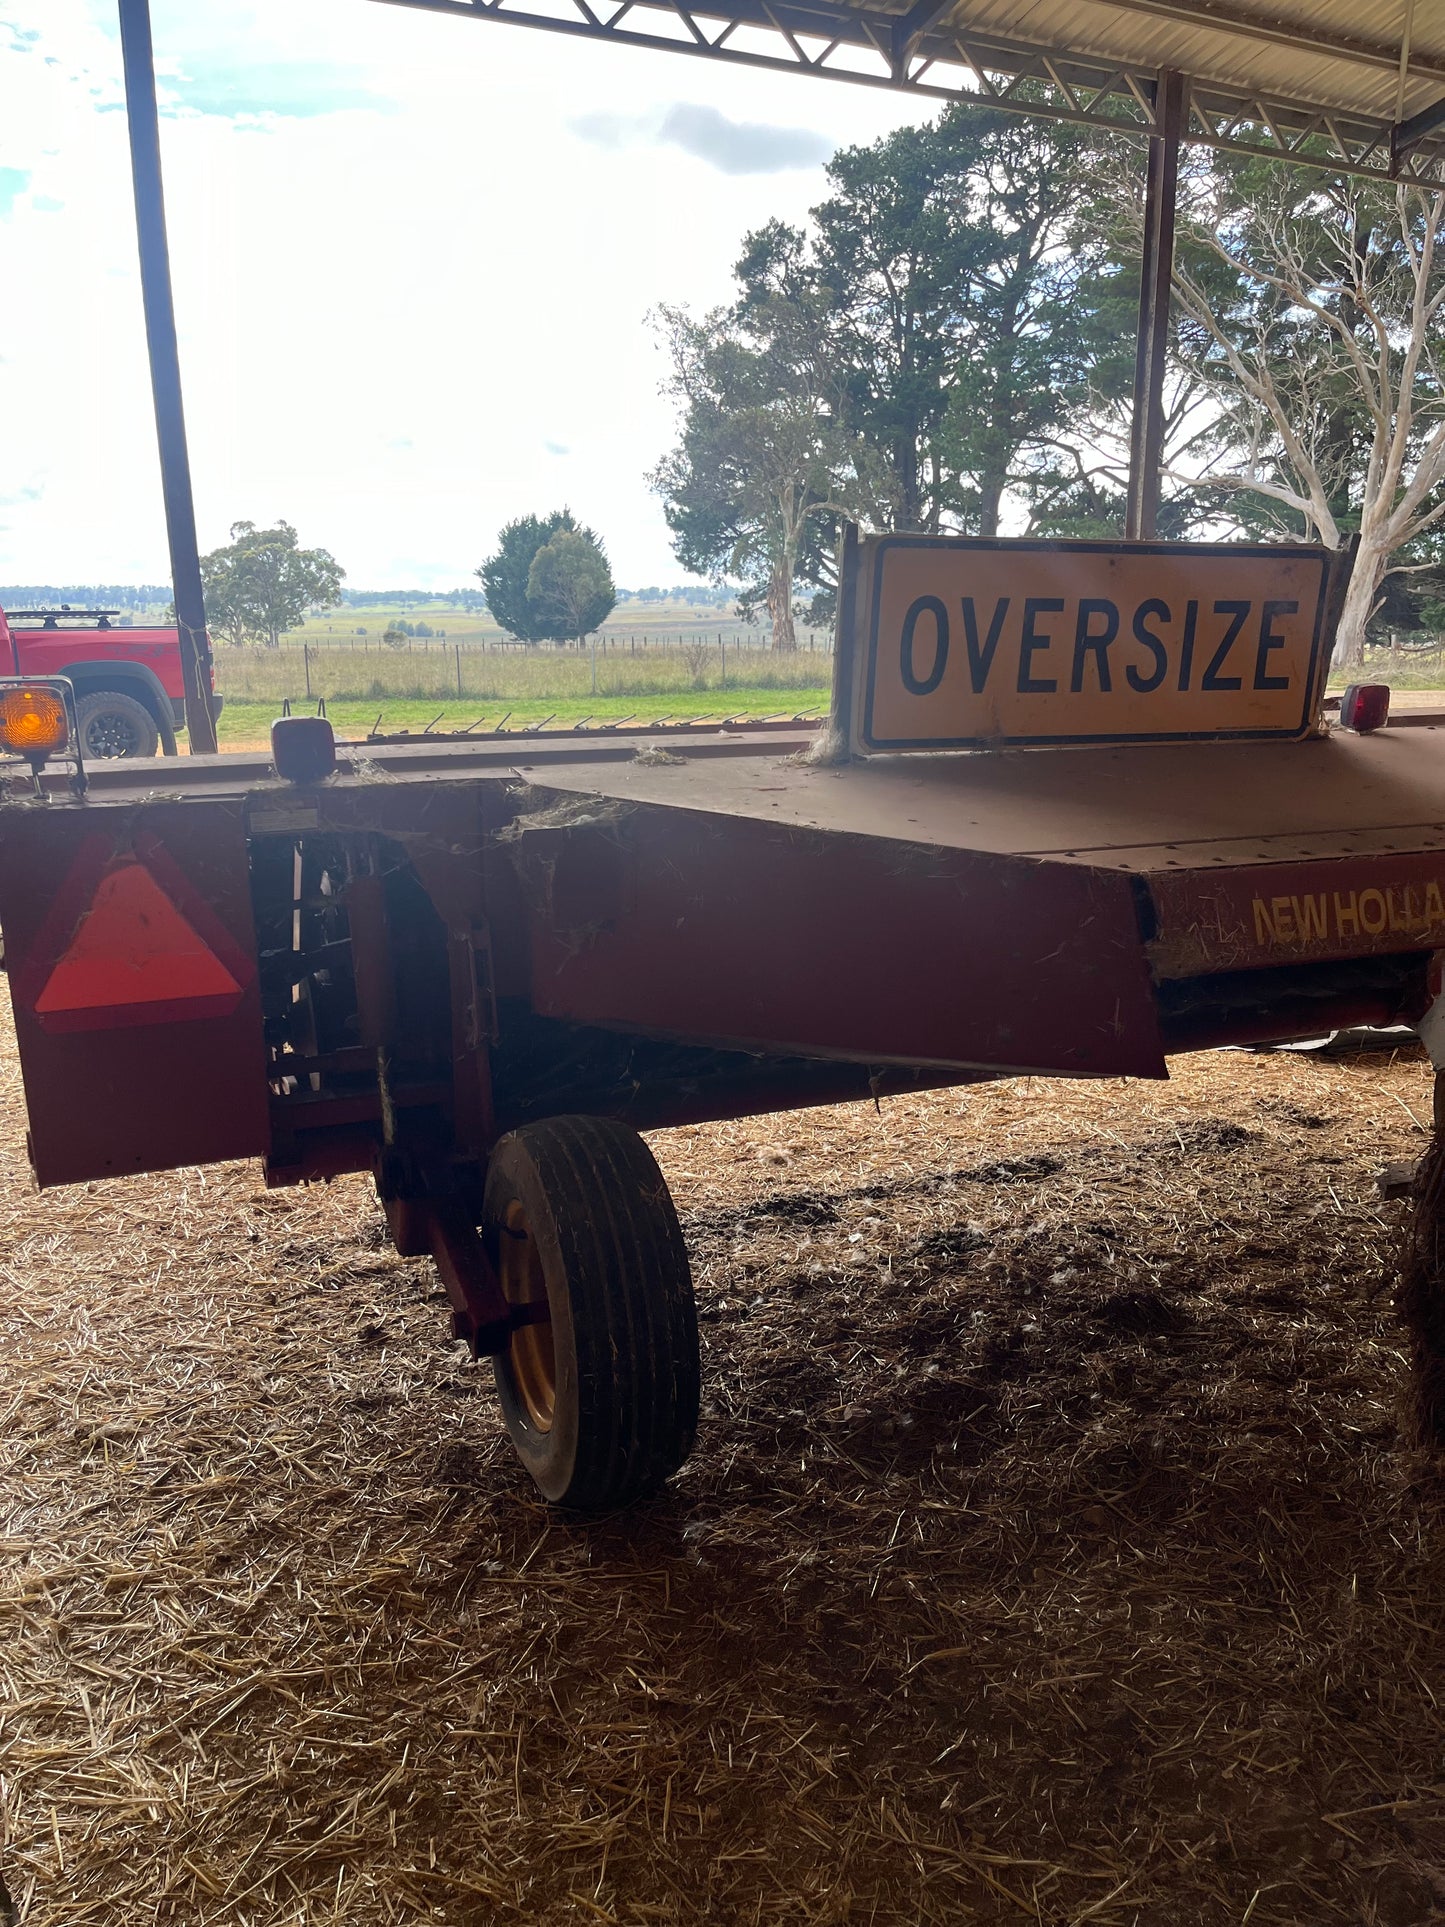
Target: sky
[[414, 259]]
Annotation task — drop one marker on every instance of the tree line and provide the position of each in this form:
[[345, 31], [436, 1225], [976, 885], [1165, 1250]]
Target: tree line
[[85, 595], [947, 346]]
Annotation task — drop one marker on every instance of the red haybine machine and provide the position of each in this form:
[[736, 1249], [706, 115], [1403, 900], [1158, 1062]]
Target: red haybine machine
[[1077, 808]]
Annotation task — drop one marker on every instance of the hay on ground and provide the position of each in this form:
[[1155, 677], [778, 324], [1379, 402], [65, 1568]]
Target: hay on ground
[[1050, 1553]]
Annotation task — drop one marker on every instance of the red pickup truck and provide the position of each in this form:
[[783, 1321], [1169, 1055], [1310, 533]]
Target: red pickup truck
[[129, 695]]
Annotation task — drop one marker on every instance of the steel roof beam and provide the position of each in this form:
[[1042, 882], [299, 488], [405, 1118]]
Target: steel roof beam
[[997, 72], [921, 18], [1406, 138]]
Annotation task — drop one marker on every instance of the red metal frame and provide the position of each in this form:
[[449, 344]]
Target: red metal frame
[[499, 927]]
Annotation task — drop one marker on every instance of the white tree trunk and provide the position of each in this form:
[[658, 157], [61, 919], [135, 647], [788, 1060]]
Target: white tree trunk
[[780, 604], [1371, 560], [1374, 328]]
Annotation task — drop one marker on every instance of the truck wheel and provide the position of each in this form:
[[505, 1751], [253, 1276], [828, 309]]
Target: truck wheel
[[600, 1389], [115, 725]]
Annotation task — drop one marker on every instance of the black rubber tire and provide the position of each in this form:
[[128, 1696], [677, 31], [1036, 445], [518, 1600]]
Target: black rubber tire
[[114, 725], [623, 1324]]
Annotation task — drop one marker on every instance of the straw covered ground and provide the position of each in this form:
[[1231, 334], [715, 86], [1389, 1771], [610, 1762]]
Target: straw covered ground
[[1049, 1554]]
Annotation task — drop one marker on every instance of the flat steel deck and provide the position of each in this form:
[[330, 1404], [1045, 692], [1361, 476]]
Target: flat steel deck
[[1141, 808]]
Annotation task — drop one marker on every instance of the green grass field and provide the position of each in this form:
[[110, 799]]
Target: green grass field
[[408, 689], [243, 724]]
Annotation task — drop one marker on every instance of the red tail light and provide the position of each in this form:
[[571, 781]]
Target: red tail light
[[1365, 706]]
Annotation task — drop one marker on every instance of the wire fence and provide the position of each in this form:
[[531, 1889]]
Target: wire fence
[[452, 670], [608, 642]]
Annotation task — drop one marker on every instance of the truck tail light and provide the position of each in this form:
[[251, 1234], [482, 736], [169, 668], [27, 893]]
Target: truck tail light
[[33, 722]]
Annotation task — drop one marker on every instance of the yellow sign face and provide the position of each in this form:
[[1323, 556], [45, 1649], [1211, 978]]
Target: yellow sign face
[[966, 644]]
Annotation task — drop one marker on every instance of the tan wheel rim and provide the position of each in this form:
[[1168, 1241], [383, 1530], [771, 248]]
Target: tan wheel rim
[[530, 1352]]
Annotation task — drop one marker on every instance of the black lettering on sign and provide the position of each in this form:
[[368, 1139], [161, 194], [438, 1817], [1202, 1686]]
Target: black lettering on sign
[[1212, 677], [1086, 643], [1029, 683], [980, 661], [1153, 607], [1186, 652], [1269, 640], [915, 684]]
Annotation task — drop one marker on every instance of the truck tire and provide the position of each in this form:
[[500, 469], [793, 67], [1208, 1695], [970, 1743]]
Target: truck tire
[[112, 724], [599, 1391]]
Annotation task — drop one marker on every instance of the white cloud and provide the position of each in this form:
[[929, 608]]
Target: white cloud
[[742, 146], [411, 302], [731, 146]]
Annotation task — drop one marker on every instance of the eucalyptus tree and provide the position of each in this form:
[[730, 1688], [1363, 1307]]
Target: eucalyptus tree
[[262, 582], [1311, 309], [760, 473]]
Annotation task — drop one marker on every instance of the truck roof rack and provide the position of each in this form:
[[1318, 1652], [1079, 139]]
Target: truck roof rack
[[52, 618]]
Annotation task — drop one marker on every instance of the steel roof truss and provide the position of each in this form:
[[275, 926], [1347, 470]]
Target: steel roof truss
[[1068, 86]]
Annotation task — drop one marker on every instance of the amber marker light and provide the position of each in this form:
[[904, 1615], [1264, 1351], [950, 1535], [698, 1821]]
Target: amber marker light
[[33, 723]]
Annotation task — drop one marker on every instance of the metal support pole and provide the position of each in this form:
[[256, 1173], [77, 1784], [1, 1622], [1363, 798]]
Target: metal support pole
[[1146, 431], [155, 275]]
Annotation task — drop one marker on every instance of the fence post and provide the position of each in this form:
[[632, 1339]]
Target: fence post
[[306, 665], [459, 670]]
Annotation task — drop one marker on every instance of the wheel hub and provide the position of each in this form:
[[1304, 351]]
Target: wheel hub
[[110, 736], [531, 1353]]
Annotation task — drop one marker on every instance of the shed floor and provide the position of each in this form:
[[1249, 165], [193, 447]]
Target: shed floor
[[1049, 1553]]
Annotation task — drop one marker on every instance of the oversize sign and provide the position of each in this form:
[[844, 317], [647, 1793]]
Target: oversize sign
[[964, 644]]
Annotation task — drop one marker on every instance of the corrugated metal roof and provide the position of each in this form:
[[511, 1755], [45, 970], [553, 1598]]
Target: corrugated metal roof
[[1343, 55]]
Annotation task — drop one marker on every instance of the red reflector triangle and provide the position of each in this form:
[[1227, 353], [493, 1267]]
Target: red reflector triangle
[[134, 959]]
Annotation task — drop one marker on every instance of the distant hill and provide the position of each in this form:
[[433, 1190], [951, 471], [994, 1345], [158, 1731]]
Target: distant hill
[[693, 595], [697, 595], [155, 597], [472, 600]]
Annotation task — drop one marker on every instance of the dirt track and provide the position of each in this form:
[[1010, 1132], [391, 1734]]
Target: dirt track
[[1049, 1554]]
